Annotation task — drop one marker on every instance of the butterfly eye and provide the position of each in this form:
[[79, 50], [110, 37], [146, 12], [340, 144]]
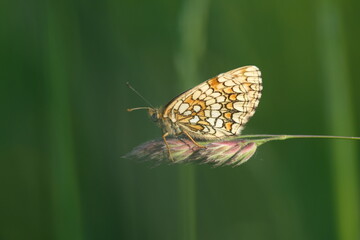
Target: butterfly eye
[[154, 117]]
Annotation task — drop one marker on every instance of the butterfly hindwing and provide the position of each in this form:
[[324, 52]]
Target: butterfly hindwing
[[218, 107]]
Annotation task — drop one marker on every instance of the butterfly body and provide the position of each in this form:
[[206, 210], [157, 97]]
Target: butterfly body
[[164, 123]]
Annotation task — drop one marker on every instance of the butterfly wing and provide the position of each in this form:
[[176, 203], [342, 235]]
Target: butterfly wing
[[218, 107]]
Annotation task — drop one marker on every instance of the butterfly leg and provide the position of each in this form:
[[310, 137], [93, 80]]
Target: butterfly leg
[[167, 146], [188, 135]]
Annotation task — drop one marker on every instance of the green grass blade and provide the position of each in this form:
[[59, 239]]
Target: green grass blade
[[340, 120], [192, 41], [64, 185]]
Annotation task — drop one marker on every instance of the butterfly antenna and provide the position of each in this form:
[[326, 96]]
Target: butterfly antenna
[[132, 109], [128, 84]]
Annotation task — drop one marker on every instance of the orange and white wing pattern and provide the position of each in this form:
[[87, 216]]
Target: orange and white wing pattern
[[219, 107]]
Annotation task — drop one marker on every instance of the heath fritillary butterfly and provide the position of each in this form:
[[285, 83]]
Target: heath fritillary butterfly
[[216, 109]]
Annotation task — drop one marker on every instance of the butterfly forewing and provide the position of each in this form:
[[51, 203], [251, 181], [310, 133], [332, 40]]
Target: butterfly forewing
[[218, 107]]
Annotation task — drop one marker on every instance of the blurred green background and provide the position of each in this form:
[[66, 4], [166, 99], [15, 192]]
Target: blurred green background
[[64, 125]]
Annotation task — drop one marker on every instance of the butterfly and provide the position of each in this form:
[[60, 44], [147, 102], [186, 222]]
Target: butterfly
[[216, 109]]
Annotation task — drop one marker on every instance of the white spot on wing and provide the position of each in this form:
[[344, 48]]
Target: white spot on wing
[[228, 75], [216, 106], [234, 128], [251, 74], [209, 91], [202, 96], [220, 99], [253, 79], [237, 117], [215, 114], [256, 87], [239, 106], [210, 102], [219, 123], [204, 88], [196, 95], [229, 83], [240, 79], [252, 68], [237, 89], [221, 78], [194, 120], [187, 113], [183, 107], [176, 106], [238, 131], [215, 94], [240, 97], [211, 121], [197, 108]]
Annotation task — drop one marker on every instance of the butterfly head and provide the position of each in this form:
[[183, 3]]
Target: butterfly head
[[154, 114]]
